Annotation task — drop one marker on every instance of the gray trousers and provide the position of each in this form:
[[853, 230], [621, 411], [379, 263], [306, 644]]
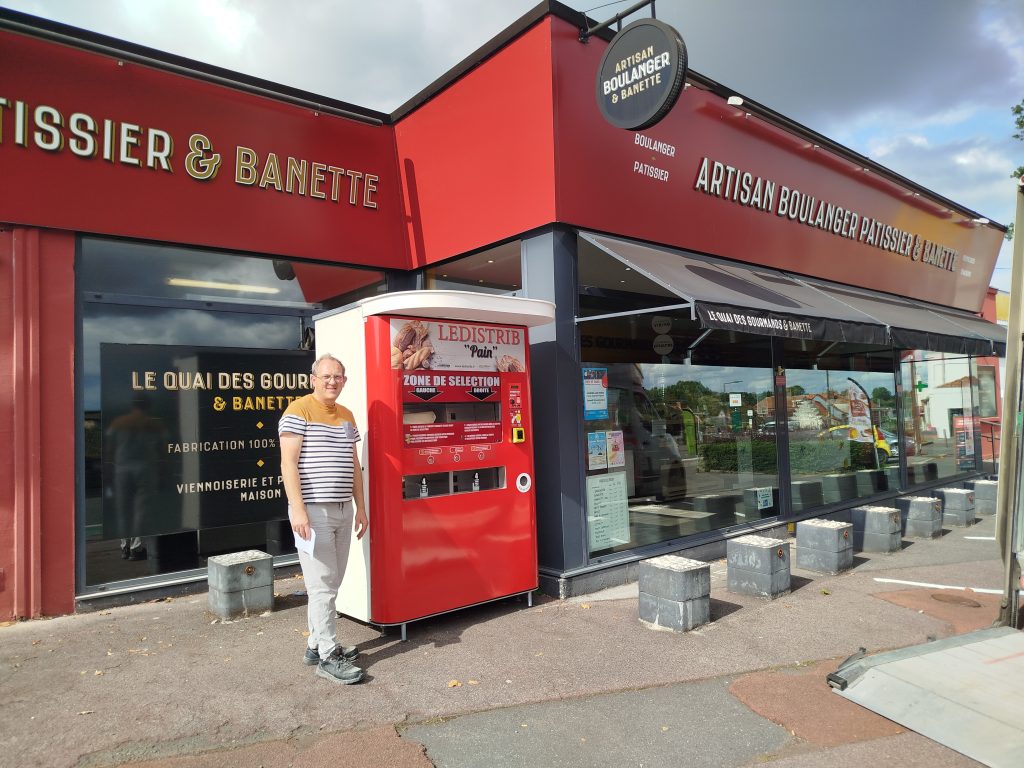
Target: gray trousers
[[324, 569]]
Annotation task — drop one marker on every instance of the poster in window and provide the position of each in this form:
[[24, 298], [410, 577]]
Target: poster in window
[[595, 394], [190, 435], [860, 413], [607, 511], [597, 451], [986, 407], [963, 430], [616, 449]]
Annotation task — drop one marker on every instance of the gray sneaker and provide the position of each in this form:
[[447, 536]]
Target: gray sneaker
[[311, 658], [338, 669]]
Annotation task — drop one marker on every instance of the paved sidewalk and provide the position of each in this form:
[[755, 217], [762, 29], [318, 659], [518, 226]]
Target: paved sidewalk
[[577, 682]]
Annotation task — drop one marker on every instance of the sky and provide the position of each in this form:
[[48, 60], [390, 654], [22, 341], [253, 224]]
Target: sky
[[923, 87]]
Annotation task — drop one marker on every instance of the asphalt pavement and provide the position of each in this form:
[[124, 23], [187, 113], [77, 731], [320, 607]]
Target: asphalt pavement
[[580, 682]]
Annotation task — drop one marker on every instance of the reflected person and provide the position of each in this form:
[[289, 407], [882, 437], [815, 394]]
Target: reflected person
[[132, 444], [324, 485]]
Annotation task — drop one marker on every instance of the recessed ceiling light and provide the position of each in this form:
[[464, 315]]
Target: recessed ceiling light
[[183, 282]]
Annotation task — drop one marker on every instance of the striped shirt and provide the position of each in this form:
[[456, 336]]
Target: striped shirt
[[329, 435]]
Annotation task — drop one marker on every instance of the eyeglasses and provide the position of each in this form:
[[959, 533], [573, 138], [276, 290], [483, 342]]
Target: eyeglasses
[[330, 379]]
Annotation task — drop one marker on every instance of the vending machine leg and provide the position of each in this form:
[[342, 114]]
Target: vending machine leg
[[404, 636]]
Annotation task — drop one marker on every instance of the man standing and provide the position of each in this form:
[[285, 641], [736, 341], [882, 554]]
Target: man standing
[[324, 485]]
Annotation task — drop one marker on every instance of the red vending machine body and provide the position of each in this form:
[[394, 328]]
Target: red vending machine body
[[449, 452]]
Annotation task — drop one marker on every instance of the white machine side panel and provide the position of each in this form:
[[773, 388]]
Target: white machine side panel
[[343, 336]]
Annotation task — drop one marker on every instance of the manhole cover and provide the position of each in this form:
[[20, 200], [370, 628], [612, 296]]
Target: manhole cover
[[946, 597]]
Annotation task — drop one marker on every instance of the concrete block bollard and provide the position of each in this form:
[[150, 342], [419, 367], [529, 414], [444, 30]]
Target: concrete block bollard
[[755, 502], [957, 506], [757, 565], [825, 546], [675, 592], [892, 478], [241, 583], [876, 529], [871, 481], [984, 495], [717, 503], [920, 516], [806, 494], [922, 473], [839, 487]]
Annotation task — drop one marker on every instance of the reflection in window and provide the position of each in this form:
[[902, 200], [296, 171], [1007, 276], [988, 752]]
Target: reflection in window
[[159, 271], [941, 426], [155, 550], [674, 445], [220, 305], [985, 406], [841, 403]]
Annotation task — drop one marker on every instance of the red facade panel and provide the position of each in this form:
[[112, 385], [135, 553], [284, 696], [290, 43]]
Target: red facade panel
[[37, 420], [7, 462], [476, 160], [114, 147], [700, 180]]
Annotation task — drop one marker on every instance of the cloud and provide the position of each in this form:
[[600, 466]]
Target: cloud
[[822, 63]]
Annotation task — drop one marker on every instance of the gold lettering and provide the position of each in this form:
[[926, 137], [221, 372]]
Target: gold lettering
[[271, 173], [297, 170], [245, 165], [197, 164]]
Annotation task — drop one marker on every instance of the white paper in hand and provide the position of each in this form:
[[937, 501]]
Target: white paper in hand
[[305, 545]]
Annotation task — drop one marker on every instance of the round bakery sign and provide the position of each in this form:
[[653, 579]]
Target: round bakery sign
[[641, 74]]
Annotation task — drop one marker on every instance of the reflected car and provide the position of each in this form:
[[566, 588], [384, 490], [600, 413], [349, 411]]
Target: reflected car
[[894, 444], [850, 433]]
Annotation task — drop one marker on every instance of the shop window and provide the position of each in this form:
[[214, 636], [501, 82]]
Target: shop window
[[842, 422], [942, 428], [496, 270], [676, 440], [187, 359]]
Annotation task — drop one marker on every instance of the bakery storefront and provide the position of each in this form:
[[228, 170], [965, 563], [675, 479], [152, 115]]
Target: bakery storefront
[[753, 324]]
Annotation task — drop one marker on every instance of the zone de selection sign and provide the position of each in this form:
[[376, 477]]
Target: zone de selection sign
[[641, 74]]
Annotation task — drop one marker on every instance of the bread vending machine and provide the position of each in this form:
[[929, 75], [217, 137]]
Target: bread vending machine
[[439, 384]]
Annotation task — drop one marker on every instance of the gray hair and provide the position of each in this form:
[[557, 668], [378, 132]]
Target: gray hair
[[327, 356]]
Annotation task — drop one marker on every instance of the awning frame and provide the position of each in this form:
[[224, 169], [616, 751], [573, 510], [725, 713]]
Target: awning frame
[[645, 311], [855, 325]]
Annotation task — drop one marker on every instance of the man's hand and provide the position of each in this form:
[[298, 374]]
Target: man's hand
[[300, 524], [361, 523]]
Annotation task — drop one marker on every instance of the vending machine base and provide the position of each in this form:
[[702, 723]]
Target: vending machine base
[[402, 626]]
